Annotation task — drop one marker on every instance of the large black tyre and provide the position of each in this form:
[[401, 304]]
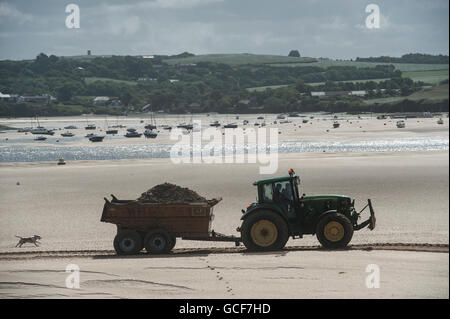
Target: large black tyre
[[264, 230], [127, 242], [158, 241], [173, 240], [334, 230]]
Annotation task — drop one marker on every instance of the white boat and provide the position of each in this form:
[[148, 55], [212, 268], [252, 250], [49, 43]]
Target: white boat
[[401, 124], [42, 131], [150, 134]]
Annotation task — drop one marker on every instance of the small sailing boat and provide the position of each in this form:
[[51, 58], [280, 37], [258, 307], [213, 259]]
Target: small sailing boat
[[96, 138], [150, 134], [89, 126], [132, 133]]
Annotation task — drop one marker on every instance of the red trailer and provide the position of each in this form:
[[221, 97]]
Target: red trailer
[[155, 227]]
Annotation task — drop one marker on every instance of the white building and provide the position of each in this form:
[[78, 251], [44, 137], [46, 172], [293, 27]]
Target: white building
[[100, 100], [4, 97], [318, 94], [358, 93]]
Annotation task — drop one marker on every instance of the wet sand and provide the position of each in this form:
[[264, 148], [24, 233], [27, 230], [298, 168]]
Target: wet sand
[[286, 274], [63, 204]]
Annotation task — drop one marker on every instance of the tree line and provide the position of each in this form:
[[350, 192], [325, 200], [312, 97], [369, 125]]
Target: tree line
[[409, 58], [201, 87]]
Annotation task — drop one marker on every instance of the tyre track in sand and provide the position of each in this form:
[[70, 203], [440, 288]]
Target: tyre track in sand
[[186, 252]]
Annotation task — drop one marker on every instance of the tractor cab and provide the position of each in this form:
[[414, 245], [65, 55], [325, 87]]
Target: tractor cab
[[281, 191]]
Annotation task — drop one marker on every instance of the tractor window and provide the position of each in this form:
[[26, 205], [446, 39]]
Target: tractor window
[[283, 192], [267, 193]]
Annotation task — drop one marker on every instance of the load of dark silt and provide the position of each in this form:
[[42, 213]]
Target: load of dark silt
[[172, 194]]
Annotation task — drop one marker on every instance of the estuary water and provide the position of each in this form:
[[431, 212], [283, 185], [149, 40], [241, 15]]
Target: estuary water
[[26, 151]]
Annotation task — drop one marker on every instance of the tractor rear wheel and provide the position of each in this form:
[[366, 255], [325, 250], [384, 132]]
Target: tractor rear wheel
[[127, 242], [158, 241], [334, 231], [264, 231]]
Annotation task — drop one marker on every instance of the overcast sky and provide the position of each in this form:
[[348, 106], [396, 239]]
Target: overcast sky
[[317, 28]]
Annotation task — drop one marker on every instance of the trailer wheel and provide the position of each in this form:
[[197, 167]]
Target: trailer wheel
[[173, 242], [158, 241], [334, 231], [264, 231], [127, 242]]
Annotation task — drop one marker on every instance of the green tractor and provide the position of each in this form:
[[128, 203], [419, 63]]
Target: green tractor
[[281, 212]]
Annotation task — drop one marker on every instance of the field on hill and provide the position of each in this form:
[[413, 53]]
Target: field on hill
[[92, 79], [279, 60], [404, 67], [242, 58], [435, 93], [432, 77], [262, 88]]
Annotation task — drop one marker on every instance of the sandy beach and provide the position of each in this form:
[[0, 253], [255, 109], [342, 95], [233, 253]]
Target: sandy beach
[[298, 274], [63, 204]]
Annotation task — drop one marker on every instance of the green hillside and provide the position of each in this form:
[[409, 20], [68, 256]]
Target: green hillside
[[92, 79], [242, 58], [436, 93], [404, 67], [432, 77]]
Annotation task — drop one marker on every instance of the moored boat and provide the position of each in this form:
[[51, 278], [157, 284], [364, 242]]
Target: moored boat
[[150, 134], [133, 134], [96, 138]]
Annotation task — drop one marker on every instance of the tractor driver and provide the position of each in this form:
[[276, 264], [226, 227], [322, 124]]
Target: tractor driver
[[282, 195]]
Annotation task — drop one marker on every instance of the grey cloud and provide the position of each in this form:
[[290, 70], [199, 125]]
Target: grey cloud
[[316, 28]]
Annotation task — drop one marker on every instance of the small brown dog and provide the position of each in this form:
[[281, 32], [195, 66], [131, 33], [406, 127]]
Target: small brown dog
[[32, 240]]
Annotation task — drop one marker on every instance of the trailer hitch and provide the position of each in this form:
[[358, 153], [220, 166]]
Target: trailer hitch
[[371, 222]]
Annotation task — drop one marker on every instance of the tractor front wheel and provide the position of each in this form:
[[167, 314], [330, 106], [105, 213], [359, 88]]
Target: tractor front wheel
[[334, 231], [264, 231]]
